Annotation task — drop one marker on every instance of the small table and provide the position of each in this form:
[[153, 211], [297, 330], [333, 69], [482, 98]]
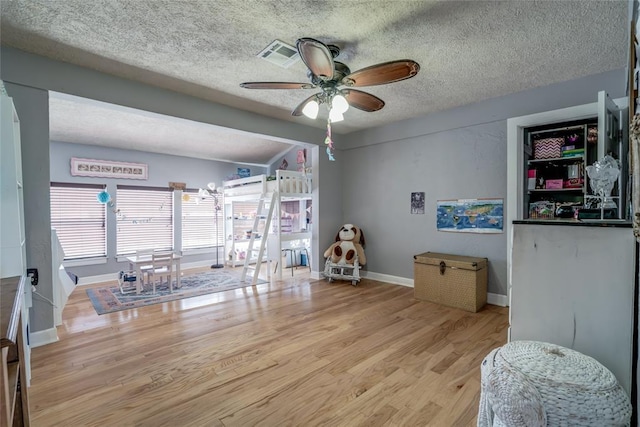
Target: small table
[[136, 263]]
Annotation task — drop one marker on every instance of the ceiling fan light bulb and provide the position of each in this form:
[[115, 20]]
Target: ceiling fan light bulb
[[311, 109], [340, 103], [335, 116]]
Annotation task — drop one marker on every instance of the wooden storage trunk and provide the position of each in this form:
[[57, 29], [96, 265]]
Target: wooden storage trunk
[[453, 280]]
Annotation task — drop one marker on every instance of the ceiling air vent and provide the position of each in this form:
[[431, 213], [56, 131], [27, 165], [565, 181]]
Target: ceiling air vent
[[280, 53]]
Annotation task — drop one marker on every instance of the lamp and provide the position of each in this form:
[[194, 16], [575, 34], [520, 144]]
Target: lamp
[[335, 116], [212, 191], [311, 109], [339, 103]]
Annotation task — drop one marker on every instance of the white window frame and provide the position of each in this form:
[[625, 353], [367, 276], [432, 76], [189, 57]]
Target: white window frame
[[80, 220], [199, 227], [144, 219]]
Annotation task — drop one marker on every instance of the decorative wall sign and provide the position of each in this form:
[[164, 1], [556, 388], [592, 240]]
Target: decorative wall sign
[[471, 215], [108, 169], [244, 172]]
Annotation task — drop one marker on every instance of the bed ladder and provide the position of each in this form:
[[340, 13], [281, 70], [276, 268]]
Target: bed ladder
[[261, 218]]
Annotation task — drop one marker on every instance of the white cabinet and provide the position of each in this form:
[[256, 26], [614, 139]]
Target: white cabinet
[[12, 241], [573, 285], [13, 253]]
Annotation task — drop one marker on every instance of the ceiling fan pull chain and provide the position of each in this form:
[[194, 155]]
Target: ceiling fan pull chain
[[329, 142]]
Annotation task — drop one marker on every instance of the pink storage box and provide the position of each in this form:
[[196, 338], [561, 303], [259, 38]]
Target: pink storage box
[[553, 184]]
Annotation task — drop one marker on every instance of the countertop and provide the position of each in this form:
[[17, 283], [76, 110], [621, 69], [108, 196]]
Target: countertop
[[578, 223]]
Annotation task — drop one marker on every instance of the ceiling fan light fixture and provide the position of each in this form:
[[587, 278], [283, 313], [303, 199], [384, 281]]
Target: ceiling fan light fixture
[[311, 109], [335, 116], [340, 104]]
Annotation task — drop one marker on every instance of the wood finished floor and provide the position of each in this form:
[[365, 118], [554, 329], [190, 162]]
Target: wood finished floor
[[294, 353]]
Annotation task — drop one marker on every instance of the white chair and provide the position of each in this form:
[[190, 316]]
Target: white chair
[[144, 268], [161, 267]]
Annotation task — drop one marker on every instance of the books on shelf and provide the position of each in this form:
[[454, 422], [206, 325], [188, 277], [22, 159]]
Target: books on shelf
[[576, 152]]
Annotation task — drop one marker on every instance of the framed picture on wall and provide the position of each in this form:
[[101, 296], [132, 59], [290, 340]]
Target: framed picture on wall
[[108, 169], [470, 215], [417, 203], [244, 172]]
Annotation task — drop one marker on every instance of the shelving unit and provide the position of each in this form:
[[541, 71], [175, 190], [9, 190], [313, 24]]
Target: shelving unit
[[239, 219], [15, 288], [559, 180], [556, 182]]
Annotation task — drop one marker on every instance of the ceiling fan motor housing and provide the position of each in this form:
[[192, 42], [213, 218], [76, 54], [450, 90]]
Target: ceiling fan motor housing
[[329, 75]]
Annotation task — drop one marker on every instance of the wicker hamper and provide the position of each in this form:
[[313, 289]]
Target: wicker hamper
[[453, 280]]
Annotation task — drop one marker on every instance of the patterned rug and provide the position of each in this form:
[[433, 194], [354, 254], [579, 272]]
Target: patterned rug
[[109, 299]]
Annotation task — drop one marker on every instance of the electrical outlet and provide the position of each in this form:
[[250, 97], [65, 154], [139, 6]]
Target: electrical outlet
[[33, 273]]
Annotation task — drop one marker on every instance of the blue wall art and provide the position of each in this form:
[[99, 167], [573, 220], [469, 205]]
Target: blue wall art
[[471, 215]]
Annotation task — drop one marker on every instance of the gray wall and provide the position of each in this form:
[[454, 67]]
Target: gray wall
[[32, 106], [453, 154], [292, 159], [163, 169]]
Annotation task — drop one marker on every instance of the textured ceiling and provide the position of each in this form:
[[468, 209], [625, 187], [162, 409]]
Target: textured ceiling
[[83, 121], [468, 50]]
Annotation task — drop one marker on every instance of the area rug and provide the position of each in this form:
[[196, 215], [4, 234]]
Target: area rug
[[109, 299]]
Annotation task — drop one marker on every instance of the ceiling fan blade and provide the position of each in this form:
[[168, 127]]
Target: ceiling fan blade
[[362, 100], [298, 110], [276, 85], [379, 74], [317, 57]]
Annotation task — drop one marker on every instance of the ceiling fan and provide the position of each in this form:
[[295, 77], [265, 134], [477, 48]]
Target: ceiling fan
[[335, 80]]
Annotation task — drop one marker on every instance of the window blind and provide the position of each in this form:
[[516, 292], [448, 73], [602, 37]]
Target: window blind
[[79, 219], [145, 219], [199, 228]]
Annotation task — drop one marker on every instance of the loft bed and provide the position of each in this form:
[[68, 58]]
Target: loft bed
[[287, 186]]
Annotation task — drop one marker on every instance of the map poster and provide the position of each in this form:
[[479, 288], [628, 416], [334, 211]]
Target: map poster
[[470, 215]]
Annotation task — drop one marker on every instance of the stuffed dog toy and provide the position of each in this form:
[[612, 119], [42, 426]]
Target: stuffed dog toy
[[349, 243]]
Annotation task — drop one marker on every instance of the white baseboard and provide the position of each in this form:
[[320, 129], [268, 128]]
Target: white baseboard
[[90, 280], [497, 299], [394, 280], [493, 299], [39, 338]]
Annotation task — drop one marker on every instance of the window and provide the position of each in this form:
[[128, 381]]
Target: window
[[199, 226], [79, 219], [145, 219]]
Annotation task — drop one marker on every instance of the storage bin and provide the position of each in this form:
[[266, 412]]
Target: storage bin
[[542, 210], [548, 148], [452, 280], [553, 184]]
